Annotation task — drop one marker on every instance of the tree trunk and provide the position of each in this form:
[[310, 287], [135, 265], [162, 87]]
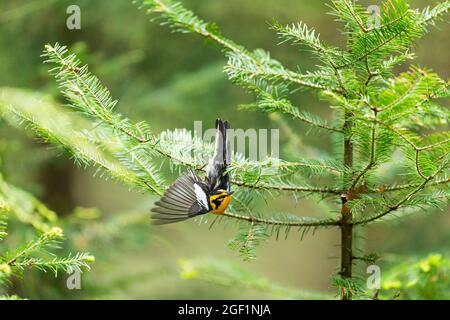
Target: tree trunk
[[346, 215]]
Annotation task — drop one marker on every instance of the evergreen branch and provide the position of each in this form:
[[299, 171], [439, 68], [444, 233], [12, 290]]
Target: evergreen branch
[[183, 20], [402, 201], [266, 186], [354, 15], [430, 96], [81, 149], [68, 264], [351, 106], [301, 164], [430, 15], [417, 149], [242, 203], [444, 155], [409, 92], [16, 261], [417, 163], [372, 50], [258, 67], [350, 287], [399, 27], [300, 33], [87, 94], [387, 65], [46, 239], [248, 239], [78, 84], [56, 126], [394, 207], [294, 221], [315, 166], [383, 189], [370, 74], [433, 145], [345, 12], [267, 102], [404, 136], [389, 23], [373, 142], [403, 96]]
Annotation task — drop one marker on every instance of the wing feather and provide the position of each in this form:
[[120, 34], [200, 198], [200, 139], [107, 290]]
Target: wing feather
[[177, 200], [163, 207], [180, 194], [187, 197]]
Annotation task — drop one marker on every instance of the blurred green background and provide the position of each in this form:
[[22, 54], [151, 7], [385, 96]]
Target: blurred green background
[[170, 81]]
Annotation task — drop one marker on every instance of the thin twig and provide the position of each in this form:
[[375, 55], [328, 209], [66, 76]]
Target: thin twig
[[285, 187], [383, 189], [402, 201], [373, 143], [270, 221]]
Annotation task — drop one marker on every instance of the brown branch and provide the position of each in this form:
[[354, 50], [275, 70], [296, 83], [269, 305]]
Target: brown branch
[[266, 186], [417, 163], [269, 221], [346, 215]]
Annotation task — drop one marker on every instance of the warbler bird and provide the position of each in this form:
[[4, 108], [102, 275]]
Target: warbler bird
[[190, 196]]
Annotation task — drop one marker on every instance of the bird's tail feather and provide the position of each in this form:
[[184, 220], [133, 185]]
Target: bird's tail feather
[[219, 154], [221, 159], [227, 145]]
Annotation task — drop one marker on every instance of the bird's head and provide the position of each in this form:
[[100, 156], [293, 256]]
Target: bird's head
[[219, 200]]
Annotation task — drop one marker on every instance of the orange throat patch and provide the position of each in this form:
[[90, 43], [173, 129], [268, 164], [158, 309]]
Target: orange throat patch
[[219, 203]]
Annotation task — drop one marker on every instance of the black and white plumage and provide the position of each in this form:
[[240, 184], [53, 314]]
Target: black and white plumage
[[190, 196], [186, 198], [216, 170]]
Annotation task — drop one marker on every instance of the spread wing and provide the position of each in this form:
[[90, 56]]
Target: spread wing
[[187, 197]]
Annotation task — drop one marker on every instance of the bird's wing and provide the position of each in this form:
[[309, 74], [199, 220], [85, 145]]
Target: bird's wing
[[187, 197]]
